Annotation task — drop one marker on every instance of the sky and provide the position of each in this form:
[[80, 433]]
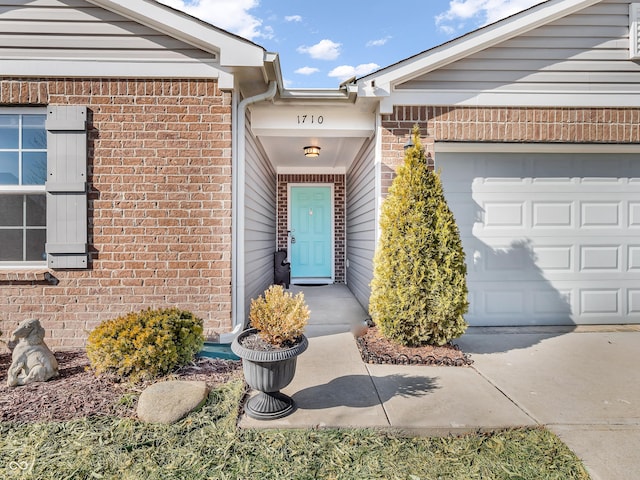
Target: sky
[[322, 43]]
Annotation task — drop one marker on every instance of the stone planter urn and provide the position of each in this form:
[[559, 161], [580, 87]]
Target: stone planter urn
[[268, 372]]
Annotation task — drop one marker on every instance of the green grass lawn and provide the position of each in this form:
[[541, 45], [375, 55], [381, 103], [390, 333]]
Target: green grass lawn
[[207, 445]]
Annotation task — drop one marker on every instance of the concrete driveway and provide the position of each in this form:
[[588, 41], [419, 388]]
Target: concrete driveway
[[584, 386]]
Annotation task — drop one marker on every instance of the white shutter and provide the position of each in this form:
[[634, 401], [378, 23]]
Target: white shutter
[[634, 31], [66, 187]]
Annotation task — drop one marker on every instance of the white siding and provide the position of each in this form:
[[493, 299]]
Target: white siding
[[260, 220], [361, 222], [76, 29], [588, 51]]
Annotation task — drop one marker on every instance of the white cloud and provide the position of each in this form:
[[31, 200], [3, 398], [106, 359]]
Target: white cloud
[[230, 15], [307, 71], [448, 29], [293, 18], [480, 12], [379, 42], [344, 72], [323, 50]]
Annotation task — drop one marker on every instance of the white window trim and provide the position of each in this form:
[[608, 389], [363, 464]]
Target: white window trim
[[22, 189]]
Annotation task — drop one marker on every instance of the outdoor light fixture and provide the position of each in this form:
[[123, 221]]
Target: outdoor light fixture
[[409, 143], [311, 151]]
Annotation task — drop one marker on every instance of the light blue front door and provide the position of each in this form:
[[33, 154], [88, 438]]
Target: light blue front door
[[311, 233]]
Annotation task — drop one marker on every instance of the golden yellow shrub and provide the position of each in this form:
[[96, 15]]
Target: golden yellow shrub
[[278, 316], [146, 344]]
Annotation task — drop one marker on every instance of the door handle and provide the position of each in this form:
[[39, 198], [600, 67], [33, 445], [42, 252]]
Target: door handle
[[293, 239]]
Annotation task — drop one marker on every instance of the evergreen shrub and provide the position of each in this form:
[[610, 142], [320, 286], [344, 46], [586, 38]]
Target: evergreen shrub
[[419, 289], [146, 344]]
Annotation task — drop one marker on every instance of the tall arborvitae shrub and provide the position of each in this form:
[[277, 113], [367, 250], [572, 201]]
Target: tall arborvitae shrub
[[419, 289]]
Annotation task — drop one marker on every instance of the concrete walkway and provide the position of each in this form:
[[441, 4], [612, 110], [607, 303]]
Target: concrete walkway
[[582, 384]]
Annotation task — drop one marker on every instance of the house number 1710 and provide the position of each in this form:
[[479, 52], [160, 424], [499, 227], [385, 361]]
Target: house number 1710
[[302, 119]]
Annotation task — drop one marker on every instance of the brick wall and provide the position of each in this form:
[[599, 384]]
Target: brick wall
[[159, 207], [478, 124], [339, 199]]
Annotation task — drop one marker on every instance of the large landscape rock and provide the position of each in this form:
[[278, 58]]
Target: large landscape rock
[[168, 402]]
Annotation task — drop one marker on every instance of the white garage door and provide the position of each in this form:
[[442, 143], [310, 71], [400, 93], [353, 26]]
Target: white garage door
[[550, 239]]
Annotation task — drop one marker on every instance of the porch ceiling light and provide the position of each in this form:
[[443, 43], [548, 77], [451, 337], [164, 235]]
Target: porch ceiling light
[[311, 151]]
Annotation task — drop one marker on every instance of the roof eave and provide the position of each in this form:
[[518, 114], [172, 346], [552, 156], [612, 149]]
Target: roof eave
[[380, 83], [234, 51]]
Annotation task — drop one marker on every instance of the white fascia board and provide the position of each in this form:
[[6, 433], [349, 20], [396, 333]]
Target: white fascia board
[[548, 98], [488, 147], [469, 44], [233, 50], [112, 68]]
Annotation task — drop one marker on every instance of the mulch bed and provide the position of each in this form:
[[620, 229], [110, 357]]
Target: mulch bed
[[78, 392], [376, 349]]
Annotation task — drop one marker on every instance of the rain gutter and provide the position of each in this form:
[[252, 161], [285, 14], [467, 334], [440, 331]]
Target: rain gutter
[[238, 221]]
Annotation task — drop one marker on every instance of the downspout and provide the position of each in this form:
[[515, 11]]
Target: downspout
[[237, 217]]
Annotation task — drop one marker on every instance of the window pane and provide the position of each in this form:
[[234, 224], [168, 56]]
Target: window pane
[[34, 135], [10, 245], [11, 211], [36, 210], [35, 245], [9, 131], [34, 168], [8, 168]]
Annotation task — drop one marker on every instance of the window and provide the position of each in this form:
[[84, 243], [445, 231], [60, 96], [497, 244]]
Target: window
[[23, 171]]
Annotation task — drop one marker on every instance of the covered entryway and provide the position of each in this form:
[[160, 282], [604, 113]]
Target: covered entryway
[[310, 200], [549, 238]]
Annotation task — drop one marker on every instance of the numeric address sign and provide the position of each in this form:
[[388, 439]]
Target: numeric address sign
[[310, 119]]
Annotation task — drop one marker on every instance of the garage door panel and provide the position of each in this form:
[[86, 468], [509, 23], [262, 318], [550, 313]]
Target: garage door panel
[[634, 214], [559, 214], [592, 254], [513, 261], [526, 304], [504, 214], [633, 302], [531, 304], [509, 258], [517, 261], [502, 302], [600, 258], [551, 302], [554, 240], [600, 302], [600, 214], [556, 258], [633, 258]]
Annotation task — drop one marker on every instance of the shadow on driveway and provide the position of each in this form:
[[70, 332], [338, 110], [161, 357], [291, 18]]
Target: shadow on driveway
[[479, 340]]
